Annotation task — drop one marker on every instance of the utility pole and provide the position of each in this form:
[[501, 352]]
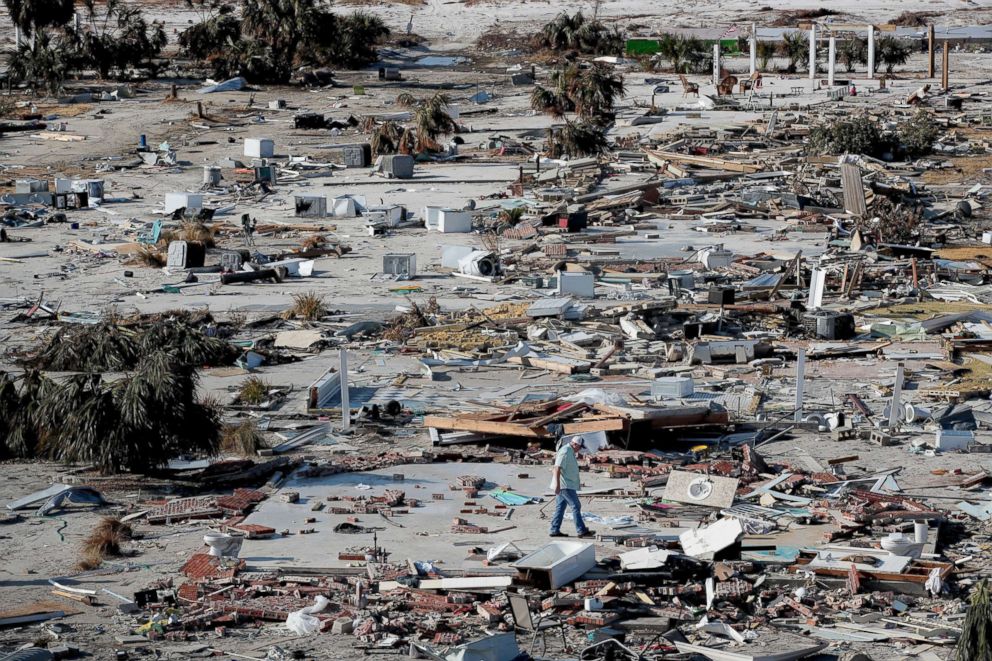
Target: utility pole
[[945, 67], [831, 60]]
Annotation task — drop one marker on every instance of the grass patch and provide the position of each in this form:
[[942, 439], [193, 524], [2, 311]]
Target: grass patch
[[104, 542], [193, 230], [308, 306], [242, 439], [150, 257], [313, 242], [793, 17], [914, 19], [254, 390], [964, 169]]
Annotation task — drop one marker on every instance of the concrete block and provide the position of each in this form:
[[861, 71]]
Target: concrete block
[[881, 438], [672, 386], [580, 285], [259, 148], [343, 626]]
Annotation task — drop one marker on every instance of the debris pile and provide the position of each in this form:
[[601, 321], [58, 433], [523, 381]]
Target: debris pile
[[324, 376]]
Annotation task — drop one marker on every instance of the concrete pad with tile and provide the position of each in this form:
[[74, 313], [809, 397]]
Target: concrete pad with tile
[[426, 532]]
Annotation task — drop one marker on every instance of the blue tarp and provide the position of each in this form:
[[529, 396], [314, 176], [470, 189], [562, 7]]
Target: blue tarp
[[511, 498]]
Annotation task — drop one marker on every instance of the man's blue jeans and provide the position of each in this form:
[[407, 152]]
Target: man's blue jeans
[[568, 498]]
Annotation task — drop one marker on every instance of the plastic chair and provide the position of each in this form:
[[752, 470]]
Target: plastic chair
[[151, 236]]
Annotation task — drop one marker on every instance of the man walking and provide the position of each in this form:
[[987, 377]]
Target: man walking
[[565, 482]]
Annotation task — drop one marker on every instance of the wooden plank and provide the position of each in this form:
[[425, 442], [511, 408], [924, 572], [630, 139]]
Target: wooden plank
[[568, 411], [719, 163], [81, 598], [854, 190], [484, 426], [560, 365], [582, 427]]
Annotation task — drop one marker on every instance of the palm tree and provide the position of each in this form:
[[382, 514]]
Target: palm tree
[[361, 33], [594, 38], [135, 423], [576, 140], [561, 32], [50, 58], [35, 15], [595, 91], [117, 36], [432, 121], [21, 426], [892, 52], [591, 92], [216, 29], [564, 33], [684, 52], [795, 48], [854, 52], [555, 100], [391, 138], [765, 51]]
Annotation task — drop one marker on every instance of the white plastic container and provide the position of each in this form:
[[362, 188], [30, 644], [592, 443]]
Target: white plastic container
[[259, 148], [560, 562], [454, 221]]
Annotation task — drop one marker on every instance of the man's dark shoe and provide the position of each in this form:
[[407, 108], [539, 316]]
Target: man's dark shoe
[[557, 534], [588, 534]]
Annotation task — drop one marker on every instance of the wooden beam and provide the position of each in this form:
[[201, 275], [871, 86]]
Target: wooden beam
[[657, 157], [484, 426], [568, 411], [584, 426], [561, 365], [81, 598]]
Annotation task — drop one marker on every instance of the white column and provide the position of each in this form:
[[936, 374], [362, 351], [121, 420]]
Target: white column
[[754, 49], [871, 51], [800, 383], [345, 396], [716, 63], [812, 53], [895, 406], [831, 61], [817, 283]]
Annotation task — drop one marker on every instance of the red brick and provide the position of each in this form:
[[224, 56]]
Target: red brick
[[203, 566]]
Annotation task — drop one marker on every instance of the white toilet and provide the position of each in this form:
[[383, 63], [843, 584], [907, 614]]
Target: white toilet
[[908, 545], [223, 545]]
